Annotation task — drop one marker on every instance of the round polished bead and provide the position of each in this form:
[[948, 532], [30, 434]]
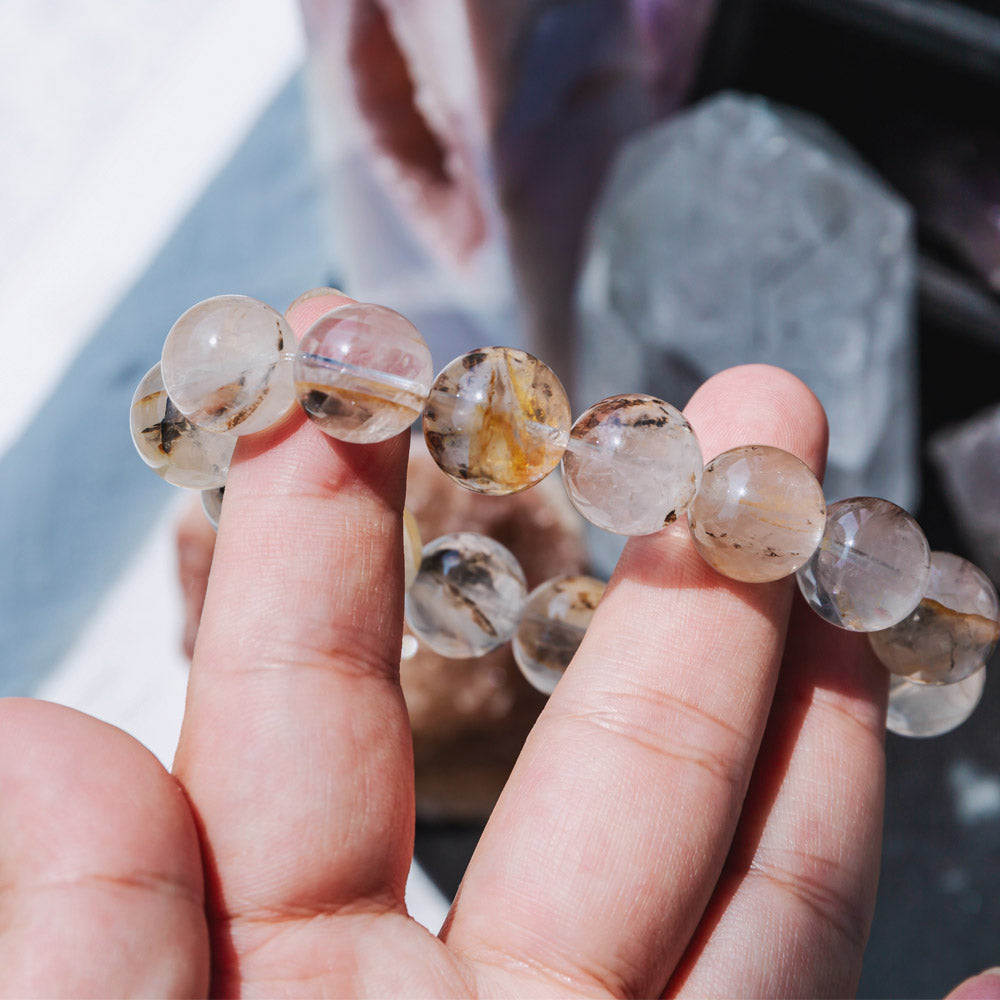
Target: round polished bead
[[951, 632], [227, 364], [211, 504], [363, 372], [497, 420], [467, 597], [871, 567], [758, 514], [184, 455], [632, 465], [554, 621], [412, 546], [917, 709]]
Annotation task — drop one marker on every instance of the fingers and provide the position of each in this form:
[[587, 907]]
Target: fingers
[[985, 986], [98, 857], [295, 749], [796, 899], [195, 545], [601, 856]]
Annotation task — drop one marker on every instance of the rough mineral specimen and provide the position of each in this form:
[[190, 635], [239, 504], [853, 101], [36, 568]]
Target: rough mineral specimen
[[743, 232]]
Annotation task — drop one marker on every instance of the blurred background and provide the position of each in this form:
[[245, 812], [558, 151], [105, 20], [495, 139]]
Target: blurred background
[[474, 164]]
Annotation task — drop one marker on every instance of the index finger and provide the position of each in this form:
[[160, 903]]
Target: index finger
[[295, 750], [609, 838]]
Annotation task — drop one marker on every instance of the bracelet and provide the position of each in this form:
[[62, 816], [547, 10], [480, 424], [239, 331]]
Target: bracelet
[[496, 421]]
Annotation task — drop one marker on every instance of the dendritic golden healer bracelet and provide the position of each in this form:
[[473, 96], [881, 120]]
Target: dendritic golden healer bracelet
[[496, 421]]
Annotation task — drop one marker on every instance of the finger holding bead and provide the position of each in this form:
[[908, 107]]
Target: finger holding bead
[[797, 891], [295, 667], [599, 872]]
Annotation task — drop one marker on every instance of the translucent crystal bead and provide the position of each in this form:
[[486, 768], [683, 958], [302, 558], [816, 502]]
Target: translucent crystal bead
[[951, 632], [497, 420], [211, 504], [871, 567], [632, 465], [758, 514], [363, 373], [227, 364], [553, 623], [412, 545], [467, 597], [184, 455], [917, 709]]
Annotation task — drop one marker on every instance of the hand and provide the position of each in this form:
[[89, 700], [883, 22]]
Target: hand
[[697, 810]]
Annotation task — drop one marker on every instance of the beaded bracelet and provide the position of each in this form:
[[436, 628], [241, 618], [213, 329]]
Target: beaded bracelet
[[496, 421]]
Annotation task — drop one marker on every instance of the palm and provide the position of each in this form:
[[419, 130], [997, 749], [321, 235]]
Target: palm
[[685, 816]]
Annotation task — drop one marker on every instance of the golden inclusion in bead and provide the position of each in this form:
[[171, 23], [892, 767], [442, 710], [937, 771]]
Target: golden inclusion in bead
[[951, 632], [758, 514], [497, 420]]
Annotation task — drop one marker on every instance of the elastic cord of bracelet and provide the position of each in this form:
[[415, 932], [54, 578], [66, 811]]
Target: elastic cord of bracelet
[[497, 420]]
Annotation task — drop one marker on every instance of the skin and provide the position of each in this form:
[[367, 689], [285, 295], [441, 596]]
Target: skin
[[697, 811]]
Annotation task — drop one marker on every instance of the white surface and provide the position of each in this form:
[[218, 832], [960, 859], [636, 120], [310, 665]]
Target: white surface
[[113, 117]]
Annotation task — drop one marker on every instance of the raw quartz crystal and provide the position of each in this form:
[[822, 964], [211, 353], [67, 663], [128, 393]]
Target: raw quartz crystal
[[967, 457], [739, 232]]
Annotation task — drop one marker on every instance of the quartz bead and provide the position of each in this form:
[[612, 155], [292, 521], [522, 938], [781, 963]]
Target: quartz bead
[[467, 597], [184, 455], [363, 372], [758, 514], [211, 504], [412, 546], [632, 465], [227, 364], [497, 420], [952, 631], [870, 569], [554, 621], [917, 709]]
